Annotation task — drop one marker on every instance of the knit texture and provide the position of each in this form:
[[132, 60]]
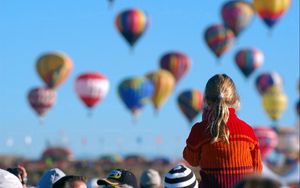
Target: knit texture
[[223, 165]]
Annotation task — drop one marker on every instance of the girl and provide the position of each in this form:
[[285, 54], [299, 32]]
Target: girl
[[223, 146]]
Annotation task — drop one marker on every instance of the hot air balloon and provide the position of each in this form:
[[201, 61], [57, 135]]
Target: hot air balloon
[[271, 10], [135, 93], [41, 100], [266, 80], [274, 102], [131, 24], [164, 83], [190, 103], [218, 38], [177, 63], [248, 60], [91, 87], [237, 15], [288, 141], [268, 139], [54, 68]]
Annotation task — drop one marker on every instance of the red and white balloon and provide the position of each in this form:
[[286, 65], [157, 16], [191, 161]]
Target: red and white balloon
[[91, 87]]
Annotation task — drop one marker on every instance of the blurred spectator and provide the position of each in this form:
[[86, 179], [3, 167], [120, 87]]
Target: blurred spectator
[[50, 177], [21, 173], [150, 179], [258, 182], [119, 178], [180, 176], [70, 182], [8, 180]]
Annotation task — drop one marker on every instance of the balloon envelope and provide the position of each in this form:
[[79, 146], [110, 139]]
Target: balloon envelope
[[274, 102], [91, 87], [267, 138], [270, 11], [175, 62], [237, 15], [54, 68], [190, 103], [131, 24], [135, 93], [248, 60], [41, 100], [266, 80], [164, 83], [218, 38]]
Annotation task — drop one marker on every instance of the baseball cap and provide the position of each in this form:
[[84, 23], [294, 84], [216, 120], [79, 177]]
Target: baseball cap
[[119, 177], [150, 178]]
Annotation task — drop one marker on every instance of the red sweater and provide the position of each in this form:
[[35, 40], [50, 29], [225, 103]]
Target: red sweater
[[223, 165]]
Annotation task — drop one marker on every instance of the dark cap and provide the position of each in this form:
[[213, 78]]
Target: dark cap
[[119, 177]]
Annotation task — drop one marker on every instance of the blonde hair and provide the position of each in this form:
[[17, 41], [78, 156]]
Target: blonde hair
[[220, 94]]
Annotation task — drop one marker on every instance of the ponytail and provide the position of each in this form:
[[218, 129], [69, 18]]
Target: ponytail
[[217, 122]]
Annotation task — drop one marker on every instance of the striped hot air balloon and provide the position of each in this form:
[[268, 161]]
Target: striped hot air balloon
[[271, 11], [267, 138], [248, 60], [135, 93], [131, 24], [274, 102], [164, 83], [177, 63], [91, 87], [190, 103], [266, 80], [218, 38], [237, 15], [54, 68], [41, 100]]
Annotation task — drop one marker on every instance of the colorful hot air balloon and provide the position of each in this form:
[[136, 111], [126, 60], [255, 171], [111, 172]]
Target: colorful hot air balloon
[[131, 24], [190, 103], [135, 93], [274, 102], [164, 83], [248, 60], [237, 15], [266, 80], [54, 68], [41, 100], [177, 63], [91, 87], [271, 10], [267, 138], [218, 38]]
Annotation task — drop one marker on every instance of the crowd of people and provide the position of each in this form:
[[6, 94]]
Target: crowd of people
[[178, 177], [223, 146]]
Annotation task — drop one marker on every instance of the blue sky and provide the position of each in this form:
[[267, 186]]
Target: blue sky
[[85, 31]]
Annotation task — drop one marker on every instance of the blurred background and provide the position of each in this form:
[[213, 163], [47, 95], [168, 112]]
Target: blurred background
[[117, 83]]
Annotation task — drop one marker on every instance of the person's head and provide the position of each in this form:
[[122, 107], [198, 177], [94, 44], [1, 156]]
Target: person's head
[[258, 182], [21, 173], [50, 177], [70, 181], [9, 180], [220, 94], [180, 176], [119, 178], [150, 179]]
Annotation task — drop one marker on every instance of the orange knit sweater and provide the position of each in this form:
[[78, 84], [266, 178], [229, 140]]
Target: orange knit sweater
[[223, 165]]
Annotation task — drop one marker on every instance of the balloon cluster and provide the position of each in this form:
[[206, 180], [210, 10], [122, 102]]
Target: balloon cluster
[[53, 69], [274, 100]]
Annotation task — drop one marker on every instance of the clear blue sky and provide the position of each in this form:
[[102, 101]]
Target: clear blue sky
[[85, 31]]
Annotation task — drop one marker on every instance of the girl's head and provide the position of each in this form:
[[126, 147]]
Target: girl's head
[[220, 94]]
